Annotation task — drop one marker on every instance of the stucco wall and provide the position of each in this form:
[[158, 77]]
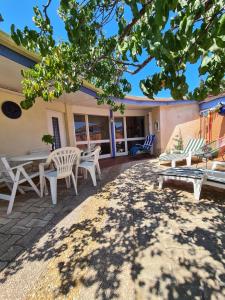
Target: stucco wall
[[178, 120], [155, 113], [24, 134]]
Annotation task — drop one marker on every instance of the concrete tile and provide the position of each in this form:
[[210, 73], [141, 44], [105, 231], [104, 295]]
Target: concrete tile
[[27, 240], [3, 264], [19, 230], [4, 221], [10, 242], [11, 253], [37, 223]]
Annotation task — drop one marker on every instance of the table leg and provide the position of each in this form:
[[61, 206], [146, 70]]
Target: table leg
[[197, 184], [160, 182]]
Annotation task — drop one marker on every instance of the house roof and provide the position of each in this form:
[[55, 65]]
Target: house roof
[[212, 102], [21, 55]]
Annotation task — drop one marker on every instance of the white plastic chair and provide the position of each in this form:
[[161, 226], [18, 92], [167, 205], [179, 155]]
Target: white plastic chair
[[90, 163], [12, 177], [63, 159]]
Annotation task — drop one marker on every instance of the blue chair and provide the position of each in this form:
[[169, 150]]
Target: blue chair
[[145, 148]]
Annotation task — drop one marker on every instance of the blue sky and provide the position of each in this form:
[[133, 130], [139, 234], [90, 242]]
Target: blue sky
[[20, 13]]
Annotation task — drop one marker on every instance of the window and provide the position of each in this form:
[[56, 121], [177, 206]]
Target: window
[[56, 132], [80, 128], [98, 128], [135, 127]]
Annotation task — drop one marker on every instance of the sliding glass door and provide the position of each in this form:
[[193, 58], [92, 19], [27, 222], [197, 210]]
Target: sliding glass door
[[93, 130], [128, 132]]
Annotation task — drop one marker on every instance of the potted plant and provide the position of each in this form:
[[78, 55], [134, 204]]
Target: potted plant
[[49, 139], [178, 147]]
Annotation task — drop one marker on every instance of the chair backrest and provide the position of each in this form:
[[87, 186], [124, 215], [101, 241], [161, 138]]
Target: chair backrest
[[194, 145], [64, 159], [149, 141], [6, 172]]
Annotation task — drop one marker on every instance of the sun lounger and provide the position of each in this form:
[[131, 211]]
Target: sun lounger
[[191, 149]]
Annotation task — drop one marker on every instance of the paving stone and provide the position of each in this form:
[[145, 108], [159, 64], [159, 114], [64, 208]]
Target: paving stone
[[11, 253], [12, 240], [47, 204], [35, 209], [3, 264], [26, 220], [4, 237], [48, 217], [19, 230], [33, 200], [29, 238], [4, 221], [6, 228], [17, 215], [37, 223]]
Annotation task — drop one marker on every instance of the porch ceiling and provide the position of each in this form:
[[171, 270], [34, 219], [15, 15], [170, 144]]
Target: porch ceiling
[[10, 75]]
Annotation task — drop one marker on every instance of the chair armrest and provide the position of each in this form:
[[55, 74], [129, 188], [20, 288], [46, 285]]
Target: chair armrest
[[87, 157]]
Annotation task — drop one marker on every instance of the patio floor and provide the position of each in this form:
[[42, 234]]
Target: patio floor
[[127, 241]]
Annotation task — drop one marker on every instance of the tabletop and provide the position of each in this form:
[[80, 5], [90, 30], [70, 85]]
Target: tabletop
[[30, 157], [183, 172]]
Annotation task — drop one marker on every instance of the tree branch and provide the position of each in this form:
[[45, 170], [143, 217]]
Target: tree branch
[[129, 27], [140, 66], [45, 8]]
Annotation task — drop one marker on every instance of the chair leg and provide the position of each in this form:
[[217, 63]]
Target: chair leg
[[43, 185], [98, 170], [53, 187], [173, 163], [74, 183], [93, 175], [68, 184], [13, 194], [85, 173]]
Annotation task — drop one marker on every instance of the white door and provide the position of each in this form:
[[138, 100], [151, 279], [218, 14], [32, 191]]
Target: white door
[[56, 127]]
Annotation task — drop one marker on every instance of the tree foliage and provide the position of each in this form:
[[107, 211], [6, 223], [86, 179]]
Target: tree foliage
[[170, 33]]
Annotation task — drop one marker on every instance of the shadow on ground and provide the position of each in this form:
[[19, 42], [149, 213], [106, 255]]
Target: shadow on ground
[[142, 243]]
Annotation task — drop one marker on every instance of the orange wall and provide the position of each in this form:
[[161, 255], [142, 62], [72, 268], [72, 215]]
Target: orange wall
[[217, 127], [175, 120]]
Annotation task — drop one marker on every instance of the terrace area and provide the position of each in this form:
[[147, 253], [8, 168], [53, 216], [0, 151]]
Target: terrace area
[[124, 240]]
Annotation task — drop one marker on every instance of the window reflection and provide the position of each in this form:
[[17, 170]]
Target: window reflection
[[119, 129], [98, 128], [80, 128]]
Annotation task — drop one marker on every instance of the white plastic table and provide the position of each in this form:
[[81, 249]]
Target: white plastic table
[[30, 157]]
